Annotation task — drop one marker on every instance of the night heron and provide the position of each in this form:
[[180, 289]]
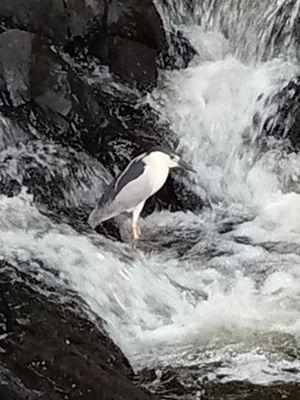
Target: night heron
[[142, 177]]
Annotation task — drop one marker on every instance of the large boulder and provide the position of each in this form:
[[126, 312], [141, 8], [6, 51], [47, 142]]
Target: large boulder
[[130, 41], [50, 99], [31, 71], [65, 105], [49, 352], [127, 36], [59, 20]]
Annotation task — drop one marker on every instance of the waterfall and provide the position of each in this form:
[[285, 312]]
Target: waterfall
[[222, 283], [256, 30]]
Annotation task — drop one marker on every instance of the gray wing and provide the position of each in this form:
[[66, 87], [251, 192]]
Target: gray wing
[[133, 171], [128, 190]]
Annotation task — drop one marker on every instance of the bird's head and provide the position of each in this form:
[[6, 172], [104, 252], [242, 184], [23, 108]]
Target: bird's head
[[168, 159]]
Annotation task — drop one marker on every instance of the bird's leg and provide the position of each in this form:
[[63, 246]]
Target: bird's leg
[[136, 230]]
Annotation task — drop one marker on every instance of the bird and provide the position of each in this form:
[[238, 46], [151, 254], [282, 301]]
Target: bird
[[142, 177]]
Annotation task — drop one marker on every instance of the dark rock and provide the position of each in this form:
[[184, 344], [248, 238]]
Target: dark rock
[[130, 41], [30, 71], [127, 36], [52, 174], [49, 84], [184, 384], [110, 229], [48, 352], [178, 53], [62, 99], [80, 106], [60, 20], [15, 51], [285, 123], [63, 104], [133, 61], [174, 196], [136, 20]]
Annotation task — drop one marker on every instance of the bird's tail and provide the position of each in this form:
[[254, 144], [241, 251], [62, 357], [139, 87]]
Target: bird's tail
[[94, 218], [97, 216]]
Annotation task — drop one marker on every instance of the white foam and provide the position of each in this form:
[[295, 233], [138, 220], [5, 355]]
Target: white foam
[[147, 301], [225, 289]]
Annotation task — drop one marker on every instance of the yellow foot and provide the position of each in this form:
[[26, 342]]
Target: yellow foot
[[136, 230]]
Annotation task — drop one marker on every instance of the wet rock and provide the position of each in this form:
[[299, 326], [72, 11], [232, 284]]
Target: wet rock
[[127, 36], [15, 50], [285, 124], [178, 53], [51, 353], [30, 71], [63, 105], [59, 20], [52, 100], [77, 103], [54, 175], [130, 41], [189, 383]]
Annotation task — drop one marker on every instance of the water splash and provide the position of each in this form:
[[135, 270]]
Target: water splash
[[226, 286], [256, 31]]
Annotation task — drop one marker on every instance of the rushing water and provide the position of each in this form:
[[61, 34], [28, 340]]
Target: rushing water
[[256, 30], [218, 286]]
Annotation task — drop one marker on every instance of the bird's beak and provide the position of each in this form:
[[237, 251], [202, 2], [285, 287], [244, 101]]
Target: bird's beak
[[184, 165]]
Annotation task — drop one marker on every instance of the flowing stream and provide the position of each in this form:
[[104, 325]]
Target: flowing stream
[[226, 291]]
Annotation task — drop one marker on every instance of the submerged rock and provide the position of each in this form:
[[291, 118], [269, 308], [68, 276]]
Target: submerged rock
[[49, 352], [189, 383], [285, 123], [178, 53]]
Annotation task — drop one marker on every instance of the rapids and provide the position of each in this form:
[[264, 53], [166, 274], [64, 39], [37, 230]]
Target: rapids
[[217, 287]]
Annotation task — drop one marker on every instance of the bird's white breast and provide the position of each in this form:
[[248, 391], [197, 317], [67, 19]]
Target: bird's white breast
[[157, 176]]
